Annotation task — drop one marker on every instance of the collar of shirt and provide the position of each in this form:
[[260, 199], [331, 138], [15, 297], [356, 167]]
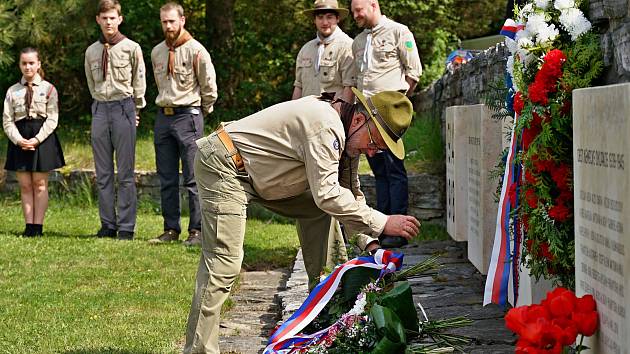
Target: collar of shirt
[[37, 80]]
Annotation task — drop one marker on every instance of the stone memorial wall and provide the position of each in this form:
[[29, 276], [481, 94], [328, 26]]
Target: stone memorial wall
[[601, 118], [483, 138], [457, 171]]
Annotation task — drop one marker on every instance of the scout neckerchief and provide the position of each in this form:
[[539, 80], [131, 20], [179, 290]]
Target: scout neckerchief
[[184, 37], [28, 98], [107, 43], [323, 42], [367, 53]]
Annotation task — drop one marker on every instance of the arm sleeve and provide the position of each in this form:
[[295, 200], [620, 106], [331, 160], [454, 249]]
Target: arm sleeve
[[321, 160], [88, 74], [7, 120], [298, 71], [408, 53], [139, 78], [207, 79], [346, 65], [52, 116]]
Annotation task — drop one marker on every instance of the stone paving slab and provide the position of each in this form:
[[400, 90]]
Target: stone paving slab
[[457, 289]]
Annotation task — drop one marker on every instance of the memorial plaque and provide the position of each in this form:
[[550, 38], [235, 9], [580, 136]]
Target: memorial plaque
[[484, 148], [601, 131], [457, 171]]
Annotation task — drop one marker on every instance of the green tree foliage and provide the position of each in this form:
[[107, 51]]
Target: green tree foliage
[[253, 49]]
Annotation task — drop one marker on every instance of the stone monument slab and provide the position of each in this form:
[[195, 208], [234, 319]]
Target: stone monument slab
[[601, 135], [484, 138], [457, 171]]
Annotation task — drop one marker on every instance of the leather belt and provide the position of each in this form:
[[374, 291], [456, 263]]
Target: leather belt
[[229, 146], [171, 111]]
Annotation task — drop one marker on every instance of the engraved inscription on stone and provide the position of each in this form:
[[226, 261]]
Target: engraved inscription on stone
[[484, 146], [456, 171], [601, 118]]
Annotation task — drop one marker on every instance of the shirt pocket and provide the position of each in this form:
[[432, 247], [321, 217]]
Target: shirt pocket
[[384, 52], [327, 70], [184, 77], [305, 63], [121, 70], [19, 105], [38, 105], [97, 70]]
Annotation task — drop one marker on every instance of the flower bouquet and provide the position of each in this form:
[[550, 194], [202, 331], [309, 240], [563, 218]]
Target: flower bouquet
[[553, 51], [552, 326], [366, 306]]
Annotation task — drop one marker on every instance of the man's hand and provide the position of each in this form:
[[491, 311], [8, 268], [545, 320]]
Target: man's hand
[[137, 120], [402, 225]]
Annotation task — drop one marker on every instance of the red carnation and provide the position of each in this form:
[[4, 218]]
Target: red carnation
[[537, 93], [519, 103], [586, 322], [559, 212], [531, 198], [529, 134], [529, 177], [560, 175], [544, 249]]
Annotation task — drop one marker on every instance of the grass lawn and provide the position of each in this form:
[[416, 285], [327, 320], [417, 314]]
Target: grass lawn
[[69, 292]]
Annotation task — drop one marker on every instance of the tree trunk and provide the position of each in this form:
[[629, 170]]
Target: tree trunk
[[219, 23]]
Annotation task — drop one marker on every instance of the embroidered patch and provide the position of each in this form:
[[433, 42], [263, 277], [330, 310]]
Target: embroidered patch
[[336, 144], [409, 45]]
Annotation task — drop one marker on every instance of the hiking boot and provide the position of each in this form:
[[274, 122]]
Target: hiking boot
[[166, 237], [125, 235], [105, 232], [392, 241], [194, 238]]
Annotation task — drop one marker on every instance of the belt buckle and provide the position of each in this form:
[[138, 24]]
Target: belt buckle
[[169, 111]]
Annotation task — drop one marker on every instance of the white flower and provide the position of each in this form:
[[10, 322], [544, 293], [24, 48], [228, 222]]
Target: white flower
[[511, 45], [535, 22], [524, 12], [359, 305], [574, 22], [564, 4], [542, 4], [547, 34], [509, 65]]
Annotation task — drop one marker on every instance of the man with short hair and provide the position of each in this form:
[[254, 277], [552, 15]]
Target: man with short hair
[[300, 159], [386, 58], [115, 74], [187, 90], [326, 64]]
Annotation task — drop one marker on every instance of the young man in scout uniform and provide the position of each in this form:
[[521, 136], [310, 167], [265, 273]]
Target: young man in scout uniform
[[187, 90], [325, 64], [386, 58], [115, 74], [300, 159]]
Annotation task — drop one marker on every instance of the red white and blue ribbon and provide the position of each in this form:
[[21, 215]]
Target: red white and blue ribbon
[[510, 28], [502, 280], [286, 338]]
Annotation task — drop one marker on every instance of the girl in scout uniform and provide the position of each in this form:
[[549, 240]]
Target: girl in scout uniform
[[29, 120]]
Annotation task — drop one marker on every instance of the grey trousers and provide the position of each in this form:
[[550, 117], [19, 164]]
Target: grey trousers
[[174, 139], [114, 133], [224, 194]]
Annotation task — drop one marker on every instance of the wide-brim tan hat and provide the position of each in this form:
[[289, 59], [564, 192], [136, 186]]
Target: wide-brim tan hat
[[391, 112], [327, 5]]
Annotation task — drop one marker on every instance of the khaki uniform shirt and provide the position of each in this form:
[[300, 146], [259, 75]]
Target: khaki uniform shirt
[[43, 105], [296, 146], [336, 67], [126, 72], [393, 56], [194, 81]]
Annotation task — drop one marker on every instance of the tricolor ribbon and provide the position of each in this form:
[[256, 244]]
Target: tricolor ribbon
[[502, 280], [286, 339], [510, 28]]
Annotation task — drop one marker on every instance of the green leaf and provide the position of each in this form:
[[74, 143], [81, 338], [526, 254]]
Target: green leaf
[[388, 324], [400, 300]]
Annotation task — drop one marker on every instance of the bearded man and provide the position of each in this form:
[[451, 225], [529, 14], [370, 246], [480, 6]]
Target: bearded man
[[187, 90]]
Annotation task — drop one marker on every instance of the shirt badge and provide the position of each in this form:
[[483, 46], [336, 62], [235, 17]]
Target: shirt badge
[[336, 144], [409, 45]]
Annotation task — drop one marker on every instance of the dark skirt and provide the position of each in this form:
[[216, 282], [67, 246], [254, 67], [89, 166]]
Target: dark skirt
[[47, 156]]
